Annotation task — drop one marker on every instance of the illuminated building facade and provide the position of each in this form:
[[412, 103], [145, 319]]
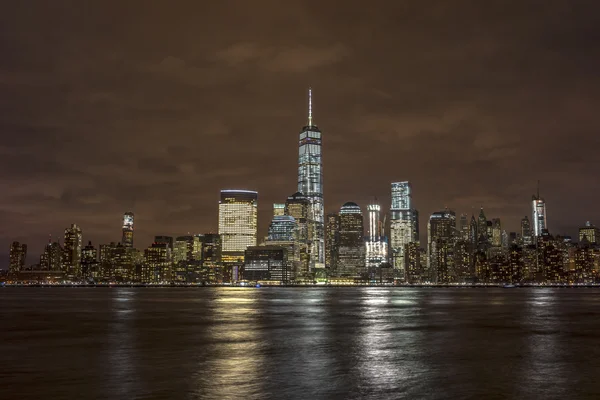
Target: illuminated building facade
[[17, 257], [310, 184], [404, 223], [51, 258], [441, 237], [211, 258], [526, 235], [376, 243], [539, 215], [278, 209], [89, 262], [127, 238], [590, 232], [496, 232], [266, 263], [482, 231], [332, 240], [351, 258], [413, 263], [283, 232], [157, 263], [72, 251], [238, 226], [298, 207], [464, 227]]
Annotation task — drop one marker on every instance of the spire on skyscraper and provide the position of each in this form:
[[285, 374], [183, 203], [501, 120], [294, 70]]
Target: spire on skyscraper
[[309, 106]]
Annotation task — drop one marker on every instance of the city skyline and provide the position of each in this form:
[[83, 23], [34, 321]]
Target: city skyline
[[156, 117]]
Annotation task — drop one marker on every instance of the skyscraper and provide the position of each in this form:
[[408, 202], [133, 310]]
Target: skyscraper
[[590, 232], [482, 231], [526, 231], [376, 243], [298, 207], [464, 227], [72, 251], [496, 232], [237, 223], [441, 237], [404, 224], [310, 184], [127, 239], [351, 258], [89, 262], [18, 255], [332, 240], [51, 258], [539, 214]]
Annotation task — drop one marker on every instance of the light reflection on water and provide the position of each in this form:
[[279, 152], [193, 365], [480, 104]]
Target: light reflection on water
[[229, 343]]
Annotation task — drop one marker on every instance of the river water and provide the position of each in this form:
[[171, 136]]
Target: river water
[[299, 343]]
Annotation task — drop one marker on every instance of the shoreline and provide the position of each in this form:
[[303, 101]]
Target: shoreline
[[262, 286]]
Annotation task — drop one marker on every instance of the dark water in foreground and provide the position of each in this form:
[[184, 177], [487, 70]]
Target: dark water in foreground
[[219, 343]]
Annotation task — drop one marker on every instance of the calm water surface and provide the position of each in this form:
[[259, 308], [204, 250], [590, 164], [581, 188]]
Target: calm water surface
[[226, 343]]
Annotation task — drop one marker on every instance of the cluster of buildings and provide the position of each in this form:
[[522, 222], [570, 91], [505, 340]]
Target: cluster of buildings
[[305, 246]]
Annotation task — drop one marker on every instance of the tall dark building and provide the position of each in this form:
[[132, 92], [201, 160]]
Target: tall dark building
[[168, 240], [127, 239], [332, 240], [351, 258], [310, 184], [18, 256], [51, 258], [72, 251], [464, 227], [89, 262], [441, 238], [482, 231], [473, 238], [266, 263], [526, 233], [213, 270], [298, 206]]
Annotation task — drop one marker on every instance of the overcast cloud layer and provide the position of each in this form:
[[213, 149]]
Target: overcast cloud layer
[[154, 106]]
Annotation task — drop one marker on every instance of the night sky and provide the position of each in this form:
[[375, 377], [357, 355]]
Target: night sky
[[154, 106]]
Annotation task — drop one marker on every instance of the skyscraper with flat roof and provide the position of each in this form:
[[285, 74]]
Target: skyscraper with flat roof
[[238, 223]]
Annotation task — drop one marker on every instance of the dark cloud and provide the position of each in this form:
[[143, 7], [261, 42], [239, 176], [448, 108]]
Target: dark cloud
[[112, 106]]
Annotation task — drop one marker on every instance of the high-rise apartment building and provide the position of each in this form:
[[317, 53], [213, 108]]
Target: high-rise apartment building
[[310, 184], [127, 238], [18, 255], [51, 258], [441, 238], [72, 251], [238, 223]]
